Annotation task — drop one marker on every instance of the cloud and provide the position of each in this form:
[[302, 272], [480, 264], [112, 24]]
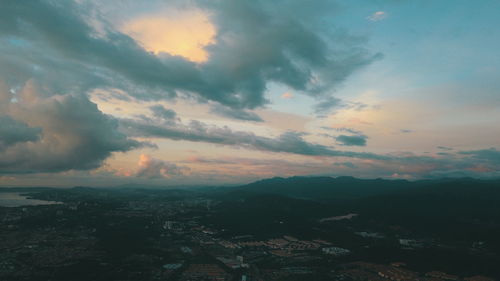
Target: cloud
[[196, 131], [357, 140], [13, 132], [256, 43], [287, 96], [330, 103], [239, 167], [405, 165], [30, 63], [54, 53], [445, 148], [326, 105], [490, 156], [349, 165], [155, 168], [238, 114], [343, 129], [61, 33], [184, 33], [459, 173], [56, 49], [57, 134], [377, 16], [159, 111]]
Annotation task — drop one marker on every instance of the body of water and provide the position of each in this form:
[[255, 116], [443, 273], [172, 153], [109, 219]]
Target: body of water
[[17, 199]]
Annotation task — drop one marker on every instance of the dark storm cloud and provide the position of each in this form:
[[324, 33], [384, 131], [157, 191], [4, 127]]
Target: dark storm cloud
[[13, 131], [289, 142], [238, 114], [357, 140], [74, 135], [257, 42]]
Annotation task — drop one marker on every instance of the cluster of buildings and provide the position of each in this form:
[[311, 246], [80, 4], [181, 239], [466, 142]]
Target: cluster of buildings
[[394, 272], [287, 243], [336, 251]]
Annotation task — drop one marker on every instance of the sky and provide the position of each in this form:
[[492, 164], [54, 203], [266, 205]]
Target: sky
[[222, 92]]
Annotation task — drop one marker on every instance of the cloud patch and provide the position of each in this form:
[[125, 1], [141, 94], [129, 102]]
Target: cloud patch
[[356, 140], [13, 132], [326, 105], [238, 114], [152, 168], [490, 156], [159, 111], [377, 16]]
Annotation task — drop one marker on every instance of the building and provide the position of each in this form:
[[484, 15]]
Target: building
[[336, 251]]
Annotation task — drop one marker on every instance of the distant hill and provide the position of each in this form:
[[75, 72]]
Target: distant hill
[[342, 188], [325, 188], [451, 207]]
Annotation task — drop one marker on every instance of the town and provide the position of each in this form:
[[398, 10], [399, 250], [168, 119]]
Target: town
[[179, 235]]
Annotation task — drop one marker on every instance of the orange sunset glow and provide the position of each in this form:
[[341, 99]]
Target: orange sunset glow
[[181, 34]]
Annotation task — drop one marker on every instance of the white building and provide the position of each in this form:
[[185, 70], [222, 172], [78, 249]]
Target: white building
[[336, 251]]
